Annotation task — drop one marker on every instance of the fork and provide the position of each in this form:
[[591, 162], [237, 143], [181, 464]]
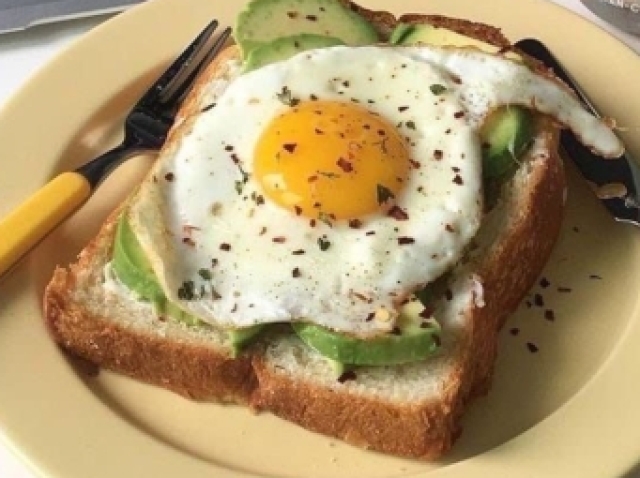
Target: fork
[[146, 128]]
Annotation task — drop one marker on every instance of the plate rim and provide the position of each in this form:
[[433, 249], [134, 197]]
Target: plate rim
[[500, 461]]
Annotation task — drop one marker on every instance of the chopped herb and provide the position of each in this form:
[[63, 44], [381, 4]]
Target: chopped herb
[[169, 177], [458, 180], [323, 243], [295, 272], [383, 194], [538, 300], [286, 98], [329, 174], [355, 223], [225, 247], [324, 217], [298, 210], [549, 315], [207, 108], [205, 274], [458, 114], [533, 348], [312, 18], [544, 283], [402, 108], [298, 252], [292, 14], [437, 89], [187, 291], [514, 331], [411, 125], [437, 154], [279, 239]]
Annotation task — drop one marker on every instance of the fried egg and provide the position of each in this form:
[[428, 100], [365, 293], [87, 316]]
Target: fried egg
[[330, 186]]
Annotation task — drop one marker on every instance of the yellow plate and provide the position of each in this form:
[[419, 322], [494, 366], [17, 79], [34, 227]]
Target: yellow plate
[[571, 409]]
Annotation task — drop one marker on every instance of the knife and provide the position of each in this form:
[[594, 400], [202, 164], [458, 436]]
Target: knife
[[616, 182]]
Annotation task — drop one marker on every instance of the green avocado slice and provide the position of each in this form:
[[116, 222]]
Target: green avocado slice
[[415, 339], [285, 47], [134, 271], [506, 135], [265, 20]]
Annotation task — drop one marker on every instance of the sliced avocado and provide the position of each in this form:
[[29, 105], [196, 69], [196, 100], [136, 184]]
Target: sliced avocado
[[506, 134], [408, 34], [285, 47], [134, 271], [131, 265], [414, 339], [265, 20], [400, 32]]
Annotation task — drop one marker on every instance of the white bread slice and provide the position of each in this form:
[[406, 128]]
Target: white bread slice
[[411, 410]]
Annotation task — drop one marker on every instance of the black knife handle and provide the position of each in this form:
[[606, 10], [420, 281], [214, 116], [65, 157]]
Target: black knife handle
[[601, 172]]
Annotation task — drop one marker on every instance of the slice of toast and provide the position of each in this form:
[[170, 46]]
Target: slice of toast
[[410, 410]]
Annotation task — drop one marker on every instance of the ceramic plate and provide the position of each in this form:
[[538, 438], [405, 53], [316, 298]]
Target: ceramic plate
[[566, 390]]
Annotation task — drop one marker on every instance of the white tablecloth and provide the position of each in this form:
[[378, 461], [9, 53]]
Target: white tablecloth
[[21, 54]]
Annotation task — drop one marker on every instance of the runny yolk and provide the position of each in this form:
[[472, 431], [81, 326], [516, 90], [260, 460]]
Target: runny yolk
[[330, 159]]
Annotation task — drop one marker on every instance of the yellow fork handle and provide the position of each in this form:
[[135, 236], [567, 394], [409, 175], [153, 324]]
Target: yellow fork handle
[[39, 215]]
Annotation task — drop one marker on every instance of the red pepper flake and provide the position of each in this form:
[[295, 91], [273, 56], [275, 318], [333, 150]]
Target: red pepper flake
[[346, 376], [312, 18], [289, 147], [228, 148], [355, 223], [458, 114], [381, 132], [437, 154], [279, 239], [426, 313], [403, 241], [458, 180], [415, 164], [169, 177], [514, 331], [312, 223], [448, 294], [456, 80], [449, 228], [538, 300], [298, 210], [295, 273], [549, 315], [370, 317], [292, 14], [402, 108], [189, 242], [398, 213], [345, 165], [533, 348], [544, 283], [298, 252], [225, 247], [564, 290]]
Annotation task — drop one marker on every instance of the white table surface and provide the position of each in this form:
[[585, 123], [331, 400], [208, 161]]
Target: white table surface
[[23, 53]]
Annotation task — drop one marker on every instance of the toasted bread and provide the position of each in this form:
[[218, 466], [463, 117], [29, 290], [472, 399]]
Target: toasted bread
[[411, 410]]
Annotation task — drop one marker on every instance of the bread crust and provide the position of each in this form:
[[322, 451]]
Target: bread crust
[[192, 370], [423, 430]]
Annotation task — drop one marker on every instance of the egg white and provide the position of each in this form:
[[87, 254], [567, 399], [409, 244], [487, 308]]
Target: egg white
[[198, 221]]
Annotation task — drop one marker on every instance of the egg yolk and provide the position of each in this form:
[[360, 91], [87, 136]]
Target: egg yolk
[[329, 159]]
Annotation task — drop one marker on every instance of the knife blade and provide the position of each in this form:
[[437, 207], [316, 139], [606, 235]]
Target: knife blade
[[616, 182]]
